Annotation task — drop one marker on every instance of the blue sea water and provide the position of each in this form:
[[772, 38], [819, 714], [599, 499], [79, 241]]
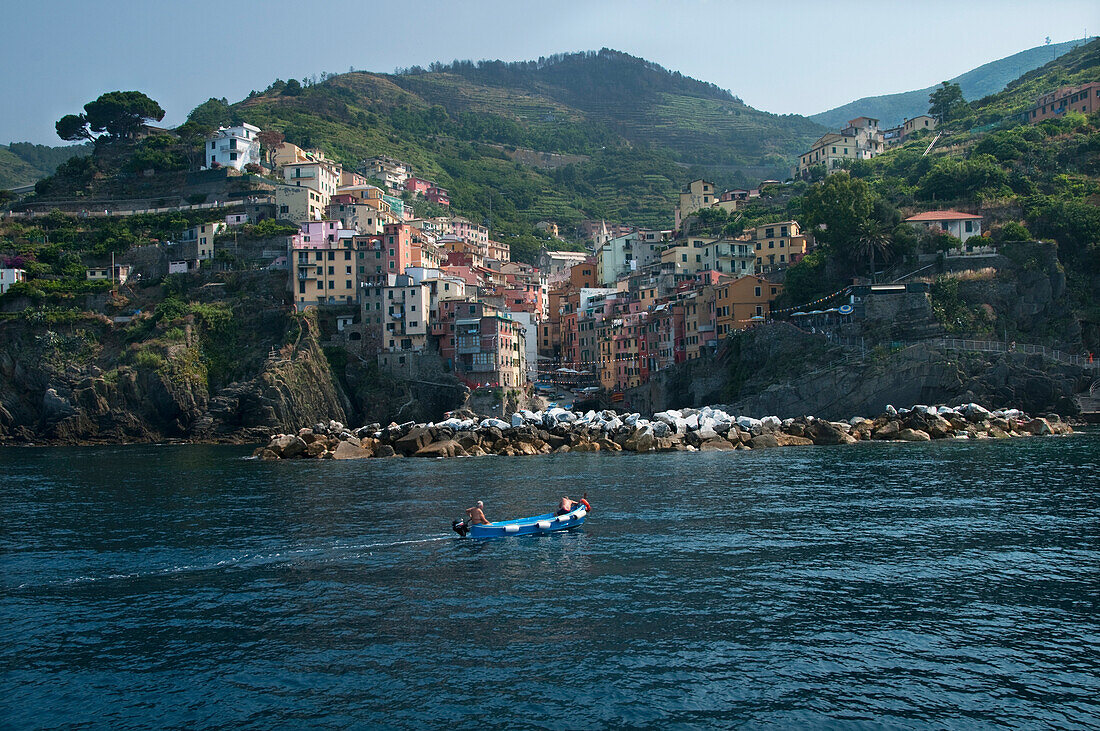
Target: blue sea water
[[941, 585]]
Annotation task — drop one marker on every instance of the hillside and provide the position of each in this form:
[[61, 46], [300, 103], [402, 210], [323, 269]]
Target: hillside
[[1079, 66], [700, 123], [22, 163], [580, 103], [990, 78]]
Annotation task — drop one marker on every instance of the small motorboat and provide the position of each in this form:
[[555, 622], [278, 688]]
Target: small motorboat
[[534, 525]]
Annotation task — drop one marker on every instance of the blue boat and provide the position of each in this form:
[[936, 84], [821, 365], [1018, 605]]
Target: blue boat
[[535, 525]]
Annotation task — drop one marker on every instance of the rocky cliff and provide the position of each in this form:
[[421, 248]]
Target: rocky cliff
[[92, 380], [783, 371]]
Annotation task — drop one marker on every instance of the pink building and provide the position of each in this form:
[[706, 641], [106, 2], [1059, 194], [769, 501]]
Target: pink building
[[420, 186], [438, 195]]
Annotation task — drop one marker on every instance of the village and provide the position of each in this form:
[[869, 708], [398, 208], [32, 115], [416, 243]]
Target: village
[[633, 302]]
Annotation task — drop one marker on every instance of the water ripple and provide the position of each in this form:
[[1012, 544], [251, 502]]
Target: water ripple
[[942, 585]]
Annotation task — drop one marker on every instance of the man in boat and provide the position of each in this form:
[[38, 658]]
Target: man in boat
[[566, 506], [475, 515]]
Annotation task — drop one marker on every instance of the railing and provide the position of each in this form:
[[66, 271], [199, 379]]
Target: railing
[[980, 346]]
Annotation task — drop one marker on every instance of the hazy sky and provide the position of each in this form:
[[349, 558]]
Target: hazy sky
[[783, 57]]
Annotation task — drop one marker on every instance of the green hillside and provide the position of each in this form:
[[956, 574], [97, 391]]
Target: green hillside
[[15, 171], [1079, 66], [22, 163], [990, 78], [698, 122], [635, 130]]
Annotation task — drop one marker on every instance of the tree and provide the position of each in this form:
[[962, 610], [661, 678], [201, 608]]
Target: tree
[[119, 114], [270, 139], [73, 127], [946, 102], [841, 205], [292, 88], [194, 134], [873, 239], [212, 113]]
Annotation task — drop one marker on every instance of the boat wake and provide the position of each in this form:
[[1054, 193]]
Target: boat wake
[[325, 554]]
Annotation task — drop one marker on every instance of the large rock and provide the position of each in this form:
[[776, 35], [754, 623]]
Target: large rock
[[294, 448], [913, 435], [446, 448], [279, 442], [347, 450], [940, 428], [417, 438], [642, 441], [767, 440], [1038, 427], [718, 444], [823, 432], [889, 430]]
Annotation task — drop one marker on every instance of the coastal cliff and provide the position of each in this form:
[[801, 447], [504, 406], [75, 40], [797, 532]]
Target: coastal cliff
[[189, 375], [783, 371]]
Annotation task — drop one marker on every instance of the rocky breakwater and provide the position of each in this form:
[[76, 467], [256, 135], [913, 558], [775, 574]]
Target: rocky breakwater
[[685, 430]]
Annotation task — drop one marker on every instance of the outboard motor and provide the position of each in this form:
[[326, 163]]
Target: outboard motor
[[460, 527]]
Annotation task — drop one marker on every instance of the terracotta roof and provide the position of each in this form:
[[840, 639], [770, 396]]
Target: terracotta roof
[[941, 216]]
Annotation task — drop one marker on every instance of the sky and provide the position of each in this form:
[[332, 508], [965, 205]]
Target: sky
[[783, 56]]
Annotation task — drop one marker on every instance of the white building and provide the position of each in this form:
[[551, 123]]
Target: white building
[[9, 277], [117, 273], [960, 225], [233, 147]]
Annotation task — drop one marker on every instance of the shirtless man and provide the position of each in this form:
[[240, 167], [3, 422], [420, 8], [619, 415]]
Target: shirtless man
[[475, 515], [566, 506]]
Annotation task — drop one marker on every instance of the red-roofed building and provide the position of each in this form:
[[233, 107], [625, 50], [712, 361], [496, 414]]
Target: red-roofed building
[[960, 225]]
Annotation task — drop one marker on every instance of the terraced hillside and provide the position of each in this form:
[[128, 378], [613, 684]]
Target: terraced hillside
[[698, 122]]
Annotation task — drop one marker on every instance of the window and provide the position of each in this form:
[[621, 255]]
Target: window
[[757, 292], [232, 156], [969, 226], [347, 284]]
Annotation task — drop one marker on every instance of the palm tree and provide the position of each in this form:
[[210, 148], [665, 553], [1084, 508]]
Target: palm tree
[[873, 238]]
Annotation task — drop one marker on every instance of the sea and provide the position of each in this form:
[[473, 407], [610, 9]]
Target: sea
[[941, 585]]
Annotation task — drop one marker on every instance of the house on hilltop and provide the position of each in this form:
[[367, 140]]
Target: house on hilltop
[[233, 147], [860, 140]]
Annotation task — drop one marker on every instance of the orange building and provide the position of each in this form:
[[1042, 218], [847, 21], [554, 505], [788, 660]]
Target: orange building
[[737, 302]]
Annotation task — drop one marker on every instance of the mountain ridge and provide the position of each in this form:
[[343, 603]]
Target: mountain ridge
[[979, 82]]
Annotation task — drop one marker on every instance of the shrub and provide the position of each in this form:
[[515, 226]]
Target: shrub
[[148, 360]]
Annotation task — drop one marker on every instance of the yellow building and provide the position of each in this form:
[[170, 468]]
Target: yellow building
[[737, 302], [320, 175], [288, 154], [777, 245], [860, 140], [297, 204], [323, 273], [698, 194]]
